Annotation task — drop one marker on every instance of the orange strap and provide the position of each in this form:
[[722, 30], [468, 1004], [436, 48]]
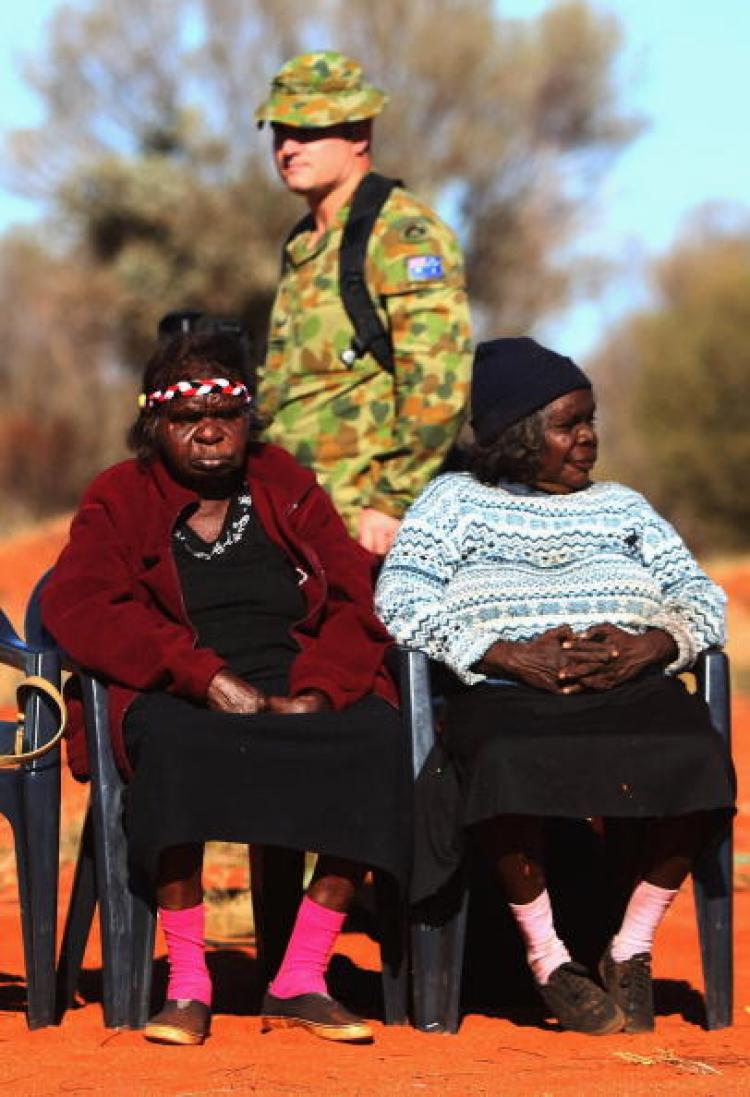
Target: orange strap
[[20, 756]]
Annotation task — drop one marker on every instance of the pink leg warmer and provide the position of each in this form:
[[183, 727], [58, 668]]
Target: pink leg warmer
[[544, 949], [310, 946], [186, 952], [648, 905]]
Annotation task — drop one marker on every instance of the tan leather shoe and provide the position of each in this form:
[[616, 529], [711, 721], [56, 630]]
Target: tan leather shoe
[[319, 1014], [180, 1021]]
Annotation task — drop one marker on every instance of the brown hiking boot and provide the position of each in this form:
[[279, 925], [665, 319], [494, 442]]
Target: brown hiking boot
[[580, 1004], [630, 985]]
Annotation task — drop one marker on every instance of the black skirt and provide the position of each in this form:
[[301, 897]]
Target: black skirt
[[332, 782], [645, 749]]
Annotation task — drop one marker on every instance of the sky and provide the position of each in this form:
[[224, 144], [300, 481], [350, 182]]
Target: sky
[[684, 68]]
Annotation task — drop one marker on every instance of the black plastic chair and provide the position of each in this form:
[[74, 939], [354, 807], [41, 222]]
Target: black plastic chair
[[438, 946], [30, 800], [127, 911]]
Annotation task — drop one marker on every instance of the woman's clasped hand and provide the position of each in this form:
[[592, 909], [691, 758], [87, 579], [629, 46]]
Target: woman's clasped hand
[[227, 692], [562, 661]]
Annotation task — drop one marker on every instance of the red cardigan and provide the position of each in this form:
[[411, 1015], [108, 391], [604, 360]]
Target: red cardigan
[[114, 602]]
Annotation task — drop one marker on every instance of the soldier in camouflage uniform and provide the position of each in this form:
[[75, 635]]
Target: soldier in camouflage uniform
[[374, 439]]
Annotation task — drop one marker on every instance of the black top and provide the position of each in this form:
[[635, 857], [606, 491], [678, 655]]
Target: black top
[[260, 779], [242, 599]]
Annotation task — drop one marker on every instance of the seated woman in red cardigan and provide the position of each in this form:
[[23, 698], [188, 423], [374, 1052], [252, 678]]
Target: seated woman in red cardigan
[[212, 584]]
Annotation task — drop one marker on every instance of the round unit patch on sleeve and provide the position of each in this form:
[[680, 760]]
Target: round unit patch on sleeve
[[415, 230]]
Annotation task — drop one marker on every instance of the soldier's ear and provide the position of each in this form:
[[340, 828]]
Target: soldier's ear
[[360, 134]]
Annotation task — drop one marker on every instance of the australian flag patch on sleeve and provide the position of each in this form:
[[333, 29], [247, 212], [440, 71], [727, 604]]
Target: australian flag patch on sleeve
[[424, 268]]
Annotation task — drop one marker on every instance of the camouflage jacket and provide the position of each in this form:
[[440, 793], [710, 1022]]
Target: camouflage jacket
[[374, 439]]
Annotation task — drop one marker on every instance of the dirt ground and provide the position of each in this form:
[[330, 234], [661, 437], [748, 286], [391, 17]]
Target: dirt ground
[[509, 1055]]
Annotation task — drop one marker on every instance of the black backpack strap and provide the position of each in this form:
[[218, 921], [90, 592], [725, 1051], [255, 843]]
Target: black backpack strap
[[370, 336]]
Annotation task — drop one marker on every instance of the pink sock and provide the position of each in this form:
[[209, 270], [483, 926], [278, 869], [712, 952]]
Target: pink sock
[[544, 949], [310, 946], [186, 952], [648, 905]]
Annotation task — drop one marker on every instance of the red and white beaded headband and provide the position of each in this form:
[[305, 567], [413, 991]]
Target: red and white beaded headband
[[209, 386]]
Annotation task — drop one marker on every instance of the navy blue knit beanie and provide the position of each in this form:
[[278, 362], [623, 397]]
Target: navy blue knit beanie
[[513, 378]]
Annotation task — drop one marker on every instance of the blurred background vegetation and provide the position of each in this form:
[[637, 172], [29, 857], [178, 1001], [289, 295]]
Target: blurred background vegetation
[[159, 193]]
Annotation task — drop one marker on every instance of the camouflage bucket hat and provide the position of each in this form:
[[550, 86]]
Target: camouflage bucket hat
[[320, 89]]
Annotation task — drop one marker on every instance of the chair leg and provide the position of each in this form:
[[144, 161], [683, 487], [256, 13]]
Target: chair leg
[[128, 925], [276, 880], [17, 820], [437, 963], [712, 886], [712, 873], [143, 933], [115, 909], [392, 926], [42, 810], [78, 922], [38, 941]]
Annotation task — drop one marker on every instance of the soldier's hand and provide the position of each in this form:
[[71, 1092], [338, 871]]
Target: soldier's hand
[[377, 531]]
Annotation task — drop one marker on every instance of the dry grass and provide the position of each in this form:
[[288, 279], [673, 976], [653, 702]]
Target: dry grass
[[665, 1057]]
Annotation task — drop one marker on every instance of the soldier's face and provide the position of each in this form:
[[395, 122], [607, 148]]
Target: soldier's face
[[315, 161]]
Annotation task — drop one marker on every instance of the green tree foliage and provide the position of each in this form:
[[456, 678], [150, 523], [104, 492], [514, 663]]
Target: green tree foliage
[[149, 152], [160, 187], [676, 383]]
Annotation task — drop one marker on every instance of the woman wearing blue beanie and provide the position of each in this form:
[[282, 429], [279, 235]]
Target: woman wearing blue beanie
[[566, 608]]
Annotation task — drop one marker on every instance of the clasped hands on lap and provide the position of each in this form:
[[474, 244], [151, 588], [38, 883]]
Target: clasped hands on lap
[[563, 661], [229, 693]]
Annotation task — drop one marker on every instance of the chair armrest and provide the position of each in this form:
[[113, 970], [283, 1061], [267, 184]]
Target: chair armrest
[[15, 652], [8, 634], [12, 647]]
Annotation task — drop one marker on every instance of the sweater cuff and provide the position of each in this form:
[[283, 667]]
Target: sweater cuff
[[686, 649], [465, 651]]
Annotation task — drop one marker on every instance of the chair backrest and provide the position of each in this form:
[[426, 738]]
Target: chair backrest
[[712, 676], [34, 630], [38, 656]]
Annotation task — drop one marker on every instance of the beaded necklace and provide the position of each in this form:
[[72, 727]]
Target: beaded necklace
[[242, 505]]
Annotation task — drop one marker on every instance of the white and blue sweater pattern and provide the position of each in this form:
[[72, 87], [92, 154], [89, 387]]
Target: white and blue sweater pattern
[[473, 564]]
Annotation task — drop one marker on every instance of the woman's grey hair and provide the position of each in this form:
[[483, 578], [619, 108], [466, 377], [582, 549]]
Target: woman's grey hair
[[514, 455]]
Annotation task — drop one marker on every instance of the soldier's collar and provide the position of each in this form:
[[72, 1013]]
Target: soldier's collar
[[303, 247]]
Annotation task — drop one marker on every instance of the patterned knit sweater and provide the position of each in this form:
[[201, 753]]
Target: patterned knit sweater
[[473, 564]]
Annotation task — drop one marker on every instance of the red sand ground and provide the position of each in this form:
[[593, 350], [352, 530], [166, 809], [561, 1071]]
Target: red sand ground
[[488, 1058]]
